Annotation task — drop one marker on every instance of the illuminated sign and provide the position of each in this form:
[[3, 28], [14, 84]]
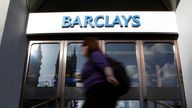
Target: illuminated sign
[[101, 21]]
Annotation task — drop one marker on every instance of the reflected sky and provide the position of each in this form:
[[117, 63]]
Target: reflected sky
[[50, 54], [159, 57]]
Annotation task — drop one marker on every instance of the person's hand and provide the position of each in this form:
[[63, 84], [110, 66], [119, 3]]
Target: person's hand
[[112, 80], [110, 76]]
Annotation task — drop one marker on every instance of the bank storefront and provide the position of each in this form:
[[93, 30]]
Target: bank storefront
[[145, 42]]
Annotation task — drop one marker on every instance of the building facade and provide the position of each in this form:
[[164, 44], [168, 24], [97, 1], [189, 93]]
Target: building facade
[[41, 58]]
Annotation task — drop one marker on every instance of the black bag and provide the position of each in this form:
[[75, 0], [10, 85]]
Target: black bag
[[121, 75]]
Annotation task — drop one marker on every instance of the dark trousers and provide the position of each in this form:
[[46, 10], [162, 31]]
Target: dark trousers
[[100, 96]]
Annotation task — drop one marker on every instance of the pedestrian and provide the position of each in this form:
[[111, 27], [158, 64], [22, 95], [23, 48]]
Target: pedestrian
[[97, 77]]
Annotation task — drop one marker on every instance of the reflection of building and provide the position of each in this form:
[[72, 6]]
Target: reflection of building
[[34, 66], [71, 69], [55, 78]]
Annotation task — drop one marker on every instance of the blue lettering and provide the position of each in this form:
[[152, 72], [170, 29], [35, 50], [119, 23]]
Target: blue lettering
[[102, 21], [117, 21], [88, 20], [66, 22], [96, 21], [77, 21], [136, 20], [107, 22], [126, 20]]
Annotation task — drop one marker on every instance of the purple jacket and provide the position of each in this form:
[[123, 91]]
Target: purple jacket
[[90, 74]]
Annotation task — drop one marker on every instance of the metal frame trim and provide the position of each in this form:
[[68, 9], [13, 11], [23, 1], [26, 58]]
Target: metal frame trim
[[27, 66]]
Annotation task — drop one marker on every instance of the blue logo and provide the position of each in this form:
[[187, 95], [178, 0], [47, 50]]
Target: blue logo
[[101, 21]]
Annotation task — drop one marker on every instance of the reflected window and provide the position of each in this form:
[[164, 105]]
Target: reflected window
[[75, 62], [126, 54], [160, 65], [42, 75], [43, 65]]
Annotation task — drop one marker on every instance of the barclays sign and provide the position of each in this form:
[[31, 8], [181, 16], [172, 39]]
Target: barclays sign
[[101, 21]]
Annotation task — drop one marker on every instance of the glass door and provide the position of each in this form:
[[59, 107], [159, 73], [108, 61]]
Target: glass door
[[161, 74], [73, 91], [126, 53], [41, 78], [53, 73], [151, 65]]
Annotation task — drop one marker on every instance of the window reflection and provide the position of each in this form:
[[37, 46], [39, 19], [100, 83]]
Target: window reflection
[[125, 53], [43, 65], [160, 65], [42, 75], [75, 61]]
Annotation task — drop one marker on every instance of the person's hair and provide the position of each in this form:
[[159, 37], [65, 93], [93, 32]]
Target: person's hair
[[92, 44]]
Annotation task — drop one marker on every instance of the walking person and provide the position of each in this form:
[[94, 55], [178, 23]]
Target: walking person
[[97, 77]]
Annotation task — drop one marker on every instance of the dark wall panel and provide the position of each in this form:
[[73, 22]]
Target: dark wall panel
[[96, 5], [12, 54]]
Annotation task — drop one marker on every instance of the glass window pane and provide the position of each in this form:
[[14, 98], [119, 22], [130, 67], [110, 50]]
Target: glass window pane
[[160, 65], [75, 62], [120, 104], [128, 104], [42, 76], [126, 54], [170, 103]]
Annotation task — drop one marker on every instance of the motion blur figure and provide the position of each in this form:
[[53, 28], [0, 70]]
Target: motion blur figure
[[97, 77]]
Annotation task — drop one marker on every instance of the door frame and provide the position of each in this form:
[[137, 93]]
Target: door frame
[[140, 66]]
